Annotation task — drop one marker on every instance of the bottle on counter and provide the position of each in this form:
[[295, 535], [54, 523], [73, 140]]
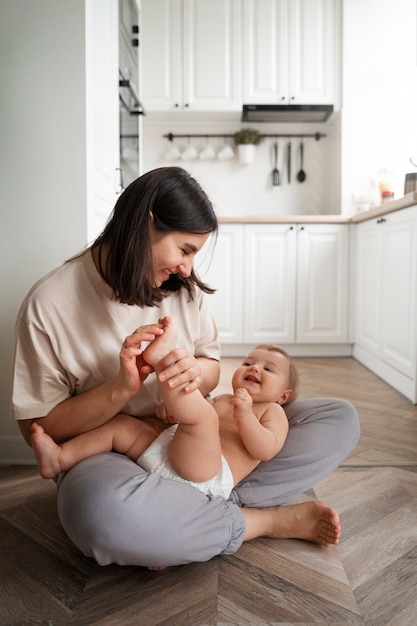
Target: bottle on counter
[[386, 196], [386, 185]]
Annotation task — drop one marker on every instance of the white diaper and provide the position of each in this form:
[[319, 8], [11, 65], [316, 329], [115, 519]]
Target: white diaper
[[155, 460]]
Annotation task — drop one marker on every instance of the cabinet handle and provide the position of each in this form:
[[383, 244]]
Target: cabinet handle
[[186, 105], [176, 105], [291, 228], [301, 228]]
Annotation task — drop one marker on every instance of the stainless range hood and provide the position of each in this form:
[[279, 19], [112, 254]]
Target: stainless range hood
[[286, 113]]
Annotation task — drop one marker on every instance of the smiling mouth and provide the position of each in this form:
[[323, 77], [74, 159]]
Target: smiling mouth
[[166, 274], [251, 379]]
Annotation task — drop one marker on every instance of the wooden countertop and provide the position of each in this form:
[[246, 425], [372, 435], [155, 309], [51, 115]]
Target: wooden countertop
[[388, 207]]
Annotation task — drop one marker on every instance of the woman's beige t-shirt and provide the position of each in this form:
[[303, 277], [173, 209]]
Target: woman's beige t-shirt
[[69, 333]]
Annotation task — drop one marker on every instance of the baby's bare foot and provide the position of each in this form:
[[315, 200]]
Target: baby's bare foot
[[46, 452], [312, 521], [163, 344]]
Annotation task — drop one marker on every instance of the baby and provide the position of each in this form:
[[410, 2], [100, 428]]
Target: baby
[[212, 444]]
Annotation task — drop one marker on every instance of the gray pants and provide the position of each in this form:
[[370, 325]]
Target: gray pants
[[116, 512]]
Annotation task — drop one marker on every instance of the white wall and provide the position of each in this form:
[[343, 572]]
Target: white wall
[[237, 189], [42, 161], [379, 121]]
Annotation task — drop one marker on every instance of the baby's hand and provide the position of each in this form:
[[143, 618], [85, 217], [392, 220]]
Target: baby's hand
[[242, 404]]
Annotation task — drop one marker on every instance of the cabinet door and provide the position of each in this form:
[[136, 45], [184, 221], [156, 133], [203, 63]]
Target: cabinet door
[[222, 269], [368, 285], [161, 55], [212, 55], [289, 51], [398, 295], [269, 283], [102, 98], [312, 51], [191, 55], [322, 283], [265, 51]]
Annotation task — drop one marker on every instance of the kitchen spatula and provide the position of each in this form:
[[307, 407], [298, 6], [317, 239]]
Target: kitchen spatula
[[275, 172], [289, 161]]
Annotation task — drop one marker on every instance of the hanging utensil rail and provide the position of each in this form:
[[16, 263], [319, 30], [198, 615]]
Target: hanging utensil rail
[[316, 136]]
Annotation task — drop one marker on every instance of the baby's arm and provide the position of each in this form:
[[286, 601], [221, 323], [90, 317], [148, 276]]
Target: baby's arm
[[262, 438]]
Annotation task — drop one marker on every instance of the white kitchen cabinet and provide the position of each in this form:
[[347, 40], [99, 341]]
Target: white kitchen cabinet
[[191, 55], [289, 51], [385, 296], [268, 296], [282, 283], [322, 283], [221, 268]]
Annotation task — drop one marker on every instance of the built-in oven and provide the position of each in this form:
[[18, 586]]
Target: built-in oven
[[130, 109]]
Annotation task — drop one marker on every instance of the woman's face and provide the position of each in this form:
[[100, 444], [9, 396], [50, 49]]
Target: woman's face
[[174, 253]]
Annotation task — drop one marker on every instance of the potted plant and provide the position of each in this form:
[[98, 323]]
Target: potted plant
[[246, 140]]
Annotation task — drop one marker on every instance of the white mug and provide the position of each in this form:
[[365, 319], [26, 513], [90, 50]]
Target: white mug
[[226, 152], [172, 153], [189, 153], [207, 153]]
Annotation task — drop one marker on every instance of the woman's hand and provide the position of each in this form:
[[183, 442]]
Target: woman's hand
[[180, 368], [133, 367]]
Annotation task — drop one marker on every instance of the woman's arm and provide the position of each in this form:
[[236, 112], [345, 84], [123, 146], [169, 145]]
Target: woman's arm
[[95, 407], [210, 375], [79, 414]]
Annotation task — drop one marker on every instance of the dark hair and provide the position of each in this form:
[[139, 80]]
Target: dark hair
[[177, 203], [293, 379]]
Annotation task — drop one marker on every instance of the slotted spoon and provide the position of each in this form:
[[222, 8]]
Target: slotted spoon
[[301, 176], [275, 172]]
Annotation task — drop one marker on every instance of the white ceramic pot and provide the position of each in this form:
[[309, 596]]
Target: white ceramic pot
[[246, 153]]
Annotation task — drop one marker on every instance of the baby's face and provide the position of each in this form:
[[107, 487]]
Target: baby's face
[[265, 375]]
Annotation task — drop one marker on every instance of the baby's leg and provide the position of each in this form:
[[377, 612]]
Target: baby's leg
[[161, 345], [195, 451], [123, 433], [47, 452]]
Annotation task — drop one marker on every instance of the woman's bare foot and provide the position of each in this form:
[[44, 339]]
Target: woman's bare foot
[[312, 521], [46, 452], [163, 344]]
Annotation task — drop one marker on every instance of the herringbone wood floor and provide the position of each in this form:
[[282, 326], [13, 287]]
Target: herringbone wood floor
[[370, 578]]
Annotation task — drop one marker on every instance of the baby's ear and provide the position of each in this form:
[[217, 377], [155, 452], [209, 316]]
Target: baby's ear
[[286, 397]]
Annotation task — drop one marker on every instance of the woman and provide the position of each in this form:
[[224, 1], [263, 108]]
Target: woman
[[70, 330]]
